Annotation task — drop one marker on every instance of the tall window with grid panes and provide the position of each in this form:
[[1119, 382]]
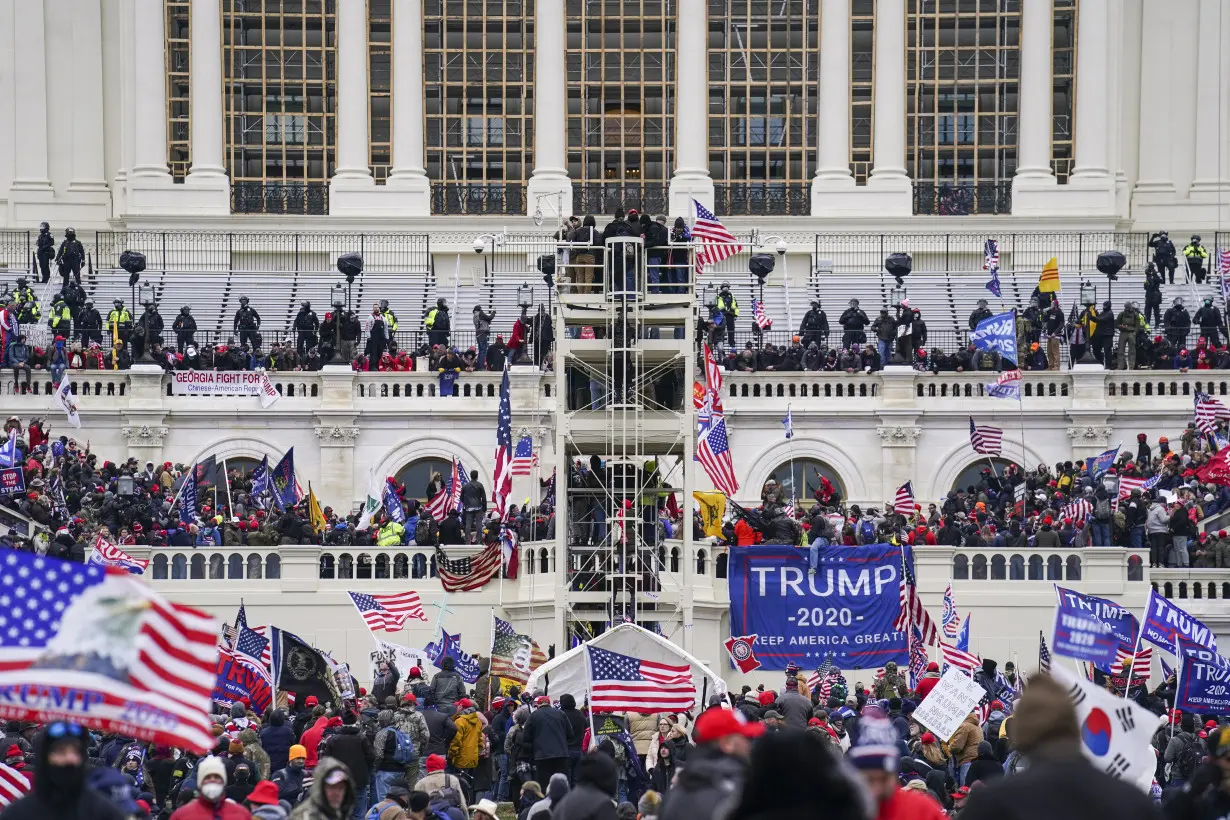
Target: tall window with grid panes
[[621, 113], [1063, 55], [179, 112], [280, 94], [479, 104], [380, 86]]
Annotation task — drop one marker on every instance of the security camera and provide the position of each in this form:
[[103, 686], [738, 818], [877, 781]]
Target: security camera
[[479, 244], [781, 247]]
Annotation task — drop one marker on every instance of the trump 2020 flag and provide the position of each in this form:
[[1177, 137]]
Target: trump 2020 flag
[[1164, 621], [392, 504], [1115, 733], [107, 554], [997, 333], [8, 450], [104, 651]]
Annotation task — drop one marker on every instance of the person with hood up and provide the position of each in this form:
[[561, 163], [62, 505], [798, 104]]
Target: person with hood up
[[276, 739], [557, 790], [262, 764], [351, 748], [663, 771], [886, 686], [986, 766], [211, 802], [59, 790], [386, 769], [410, 721], [795, 774], [593, 794], [1060, 783], [290, 779], [263, 802], [332, 796], [466, 746], [716, 768], [447, 685]]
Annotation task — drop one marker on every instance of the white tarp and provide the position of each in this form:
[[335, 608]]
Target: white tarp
[[567, 673]]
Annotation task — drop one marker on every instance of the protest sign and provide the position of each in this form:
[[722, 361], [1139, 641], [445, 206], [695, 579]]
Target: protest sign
[[949, 703]]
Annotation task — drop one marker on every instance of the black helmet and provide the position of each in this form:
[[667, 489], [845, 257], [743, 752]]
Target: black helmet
[[243, 300], [440, 302], [43, 226], [384, 304], [185, 310], [70, 233], [725, 286], [1195, 237], [22, 281], [89, 304], [306, 305], [118, 302]]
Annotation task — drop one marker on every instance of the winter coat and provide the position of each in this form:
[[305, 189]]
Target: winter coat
[[448, 687], [257, 756], [290, 783], [352, 748], [965, 740], [385, 686], [985, 767], [198, 809], [440, 733], [795, 708], [464, 749], [316, 807], [312, 737], [1069, 788], [593, 795], [410, 722], [704, 785], [276, 740], [547, 734], [642, 729], [435, 782], [44, 802], [928, 682]]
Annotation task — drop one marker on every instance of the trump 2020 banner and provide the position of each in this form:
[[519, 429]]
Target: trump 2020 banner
[[844, 612], [1203, 683], [1119, 623], [238, 678], [1164, 621]]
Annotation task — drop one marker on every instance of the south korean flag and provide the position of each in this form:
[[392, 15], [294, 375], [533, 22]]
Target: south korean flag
[[1115, 733]]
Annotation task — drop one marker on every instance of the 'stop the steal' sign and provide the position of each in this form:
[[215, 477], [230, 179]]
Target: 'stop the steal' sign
[[949, 703], [844, 612]]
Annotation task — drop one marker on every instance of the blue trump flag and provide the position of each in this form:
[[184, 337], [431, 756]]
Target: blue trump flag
[[1164, 622], [1203, 684], [998, 333], [1096, 465], [1010, 391], [187, 500], [282, 480], [963, 635], [260, 483], [1081, 627], [844, 612], [392, 505], [450, 647]]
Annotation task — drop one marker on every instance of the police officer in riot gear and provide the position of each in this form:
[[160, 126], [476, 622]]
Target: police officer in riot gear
[[1164, 254], [1196, 254], [307, 329], [89, 325], [247, 323], [150, 322], [70, 257], [815, 326], [729, 308], [1178, 324], [980, 314], [185, 328], [46, 250], [119, 322], [852, 322]]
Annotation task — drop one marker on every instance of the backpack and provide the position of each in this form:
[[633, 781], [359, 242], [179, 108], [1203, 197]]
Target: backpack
[[422, 530], [405, 753], [374, 812], [1101, 510], [867, 532], [1191, 756]]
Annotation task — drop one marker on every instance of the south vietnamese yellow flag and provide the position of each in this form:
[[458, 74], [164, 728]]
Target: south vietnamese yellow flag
[[712, 509], [1048, 282], [315, 515]]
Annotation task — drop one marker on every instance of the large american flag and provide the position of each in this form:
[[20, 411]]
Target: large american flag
[[918, 658], [1223, 263], [713, 452], [986, 440], [470, 573], [950, 620], [1128, 483], [74, 633], [958, 658], [502, 483], [13, 785], [713, 383], [1044, 654], [252, 644], [107, 554], [510, 649], [388, 612], [524, 458], [1078, 510], [910, 609], [1208, 412], [712, 241], [1140, 666], [904, 501], [990, 255], [449, 496], [620, 683], [758, 314]]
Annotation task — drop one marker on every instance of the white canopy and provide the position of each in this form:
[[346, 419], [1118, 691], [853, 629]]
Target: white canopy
[[567, 672]]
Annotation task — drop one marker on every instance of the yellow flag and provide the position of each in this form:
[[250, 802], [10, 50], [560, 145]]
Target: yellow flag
[[315, 515], [1048, 282], [712, 510]]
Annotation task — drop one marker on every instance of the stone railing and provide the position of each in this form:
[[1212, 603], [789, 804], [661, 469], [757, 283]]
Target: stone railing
[[1192, 584], [998, 564]]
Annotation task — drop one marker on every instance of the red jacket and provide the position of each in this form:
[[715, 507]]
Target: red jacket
[[311, 739], [906, 805], [202, 809], [926, 685]]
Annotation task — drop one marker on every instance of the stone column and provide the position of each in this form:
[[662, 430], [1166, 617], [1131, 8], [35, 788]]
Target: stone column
[[898, 456], [146, 435], [31, 179], [1154, 180], [408, 174], [691, 178], [336, 436], [1093, 105], [1211, 182], [833, 106], [888, 174], [150, 95], [88, 174], [1089, 438], [207, 171], [353, 171], [1034, 114]]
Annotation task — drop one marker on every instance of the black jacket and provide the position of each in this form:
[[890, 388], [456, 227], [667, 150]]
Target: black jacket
[[578, 723], [474, 496], [1067, 788], [441, 729], [703, 785], [547, 734], [351, 746], [593, 796], [386, 686], [276, 740], [51, 801]]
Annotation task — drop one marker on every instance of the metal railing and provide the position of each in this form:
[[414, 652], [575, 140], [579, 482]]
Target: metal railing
[[652, 198], [478, 198], [962, 198], [308, 199], [763, 198], [258, 251]]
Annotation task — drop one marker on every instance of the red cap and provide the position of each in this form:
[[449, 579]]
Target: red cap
[[265, 793], [995, 704], [1210, 724], [1047, 521], [311, 701], [814, 722], [714, 724], [466, 703], [362, 692], [14, 751], [409, 698], [498, 703], [435, 763], [960, 793], [542, 700], [414, 672], [933, 667]]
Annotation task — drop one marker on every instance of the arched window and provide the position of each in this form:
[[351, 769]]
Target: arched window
[[198, 567], [701, 563], [328, 566], [1054, 568], [382, 566], [998, 568], [160, 567], [417, 473], [544, 559], [179, 568], [432, 571], [418, 566], [1136, 568], [1016, 568], [401, 566], [273, 567], [217, 567], [1035, 567], [255, 566], [971, 475], [1074, 568], [345, 566], [800, 484], [723, 562], [363, 566], [980, 567], [234, 567], [960, 567], [674, 559]]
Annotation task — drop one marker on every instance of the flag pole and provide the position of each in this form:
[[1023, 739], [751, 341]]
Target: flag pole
[[794, 488], [490, 674], [191, 476], [1178, 676], [589, 689], [230, 505]]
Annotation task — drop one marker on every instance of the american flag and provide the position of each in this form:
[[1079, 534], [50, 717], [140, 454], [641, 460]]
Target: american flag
[[1208, 412], [388, 612], [1152, 482], [712, 241], [950, 619], [502, 484], [252, 644], [990, 251], [762, 321], [825, 673], [1078, 510], [509, 649], [107, 554], [713, 452], [1009, 377], [449, 497], [1143, 660], [1223, 263], [986, 440], [524, 459], [958, 658], [75, 632], [1044, 654], [13, 785], [620, 683], [712, 404], [904, 502], [1126, 485], [470, 573], [918, 658], [910, 610]]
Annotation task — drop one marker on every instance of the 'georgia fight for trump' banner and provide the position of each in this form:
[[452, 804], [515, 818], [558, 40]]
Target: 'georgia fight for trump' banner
[[844, 612]]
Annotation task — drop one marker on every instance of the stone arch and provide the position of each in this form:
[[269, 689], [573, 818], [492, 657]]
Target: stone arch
[[803, 447], [241, 447], [437, 445], [960, 457]]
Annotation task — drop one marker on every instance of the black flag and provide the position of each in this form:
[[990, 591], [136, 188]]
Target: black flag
[[303, 670]]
